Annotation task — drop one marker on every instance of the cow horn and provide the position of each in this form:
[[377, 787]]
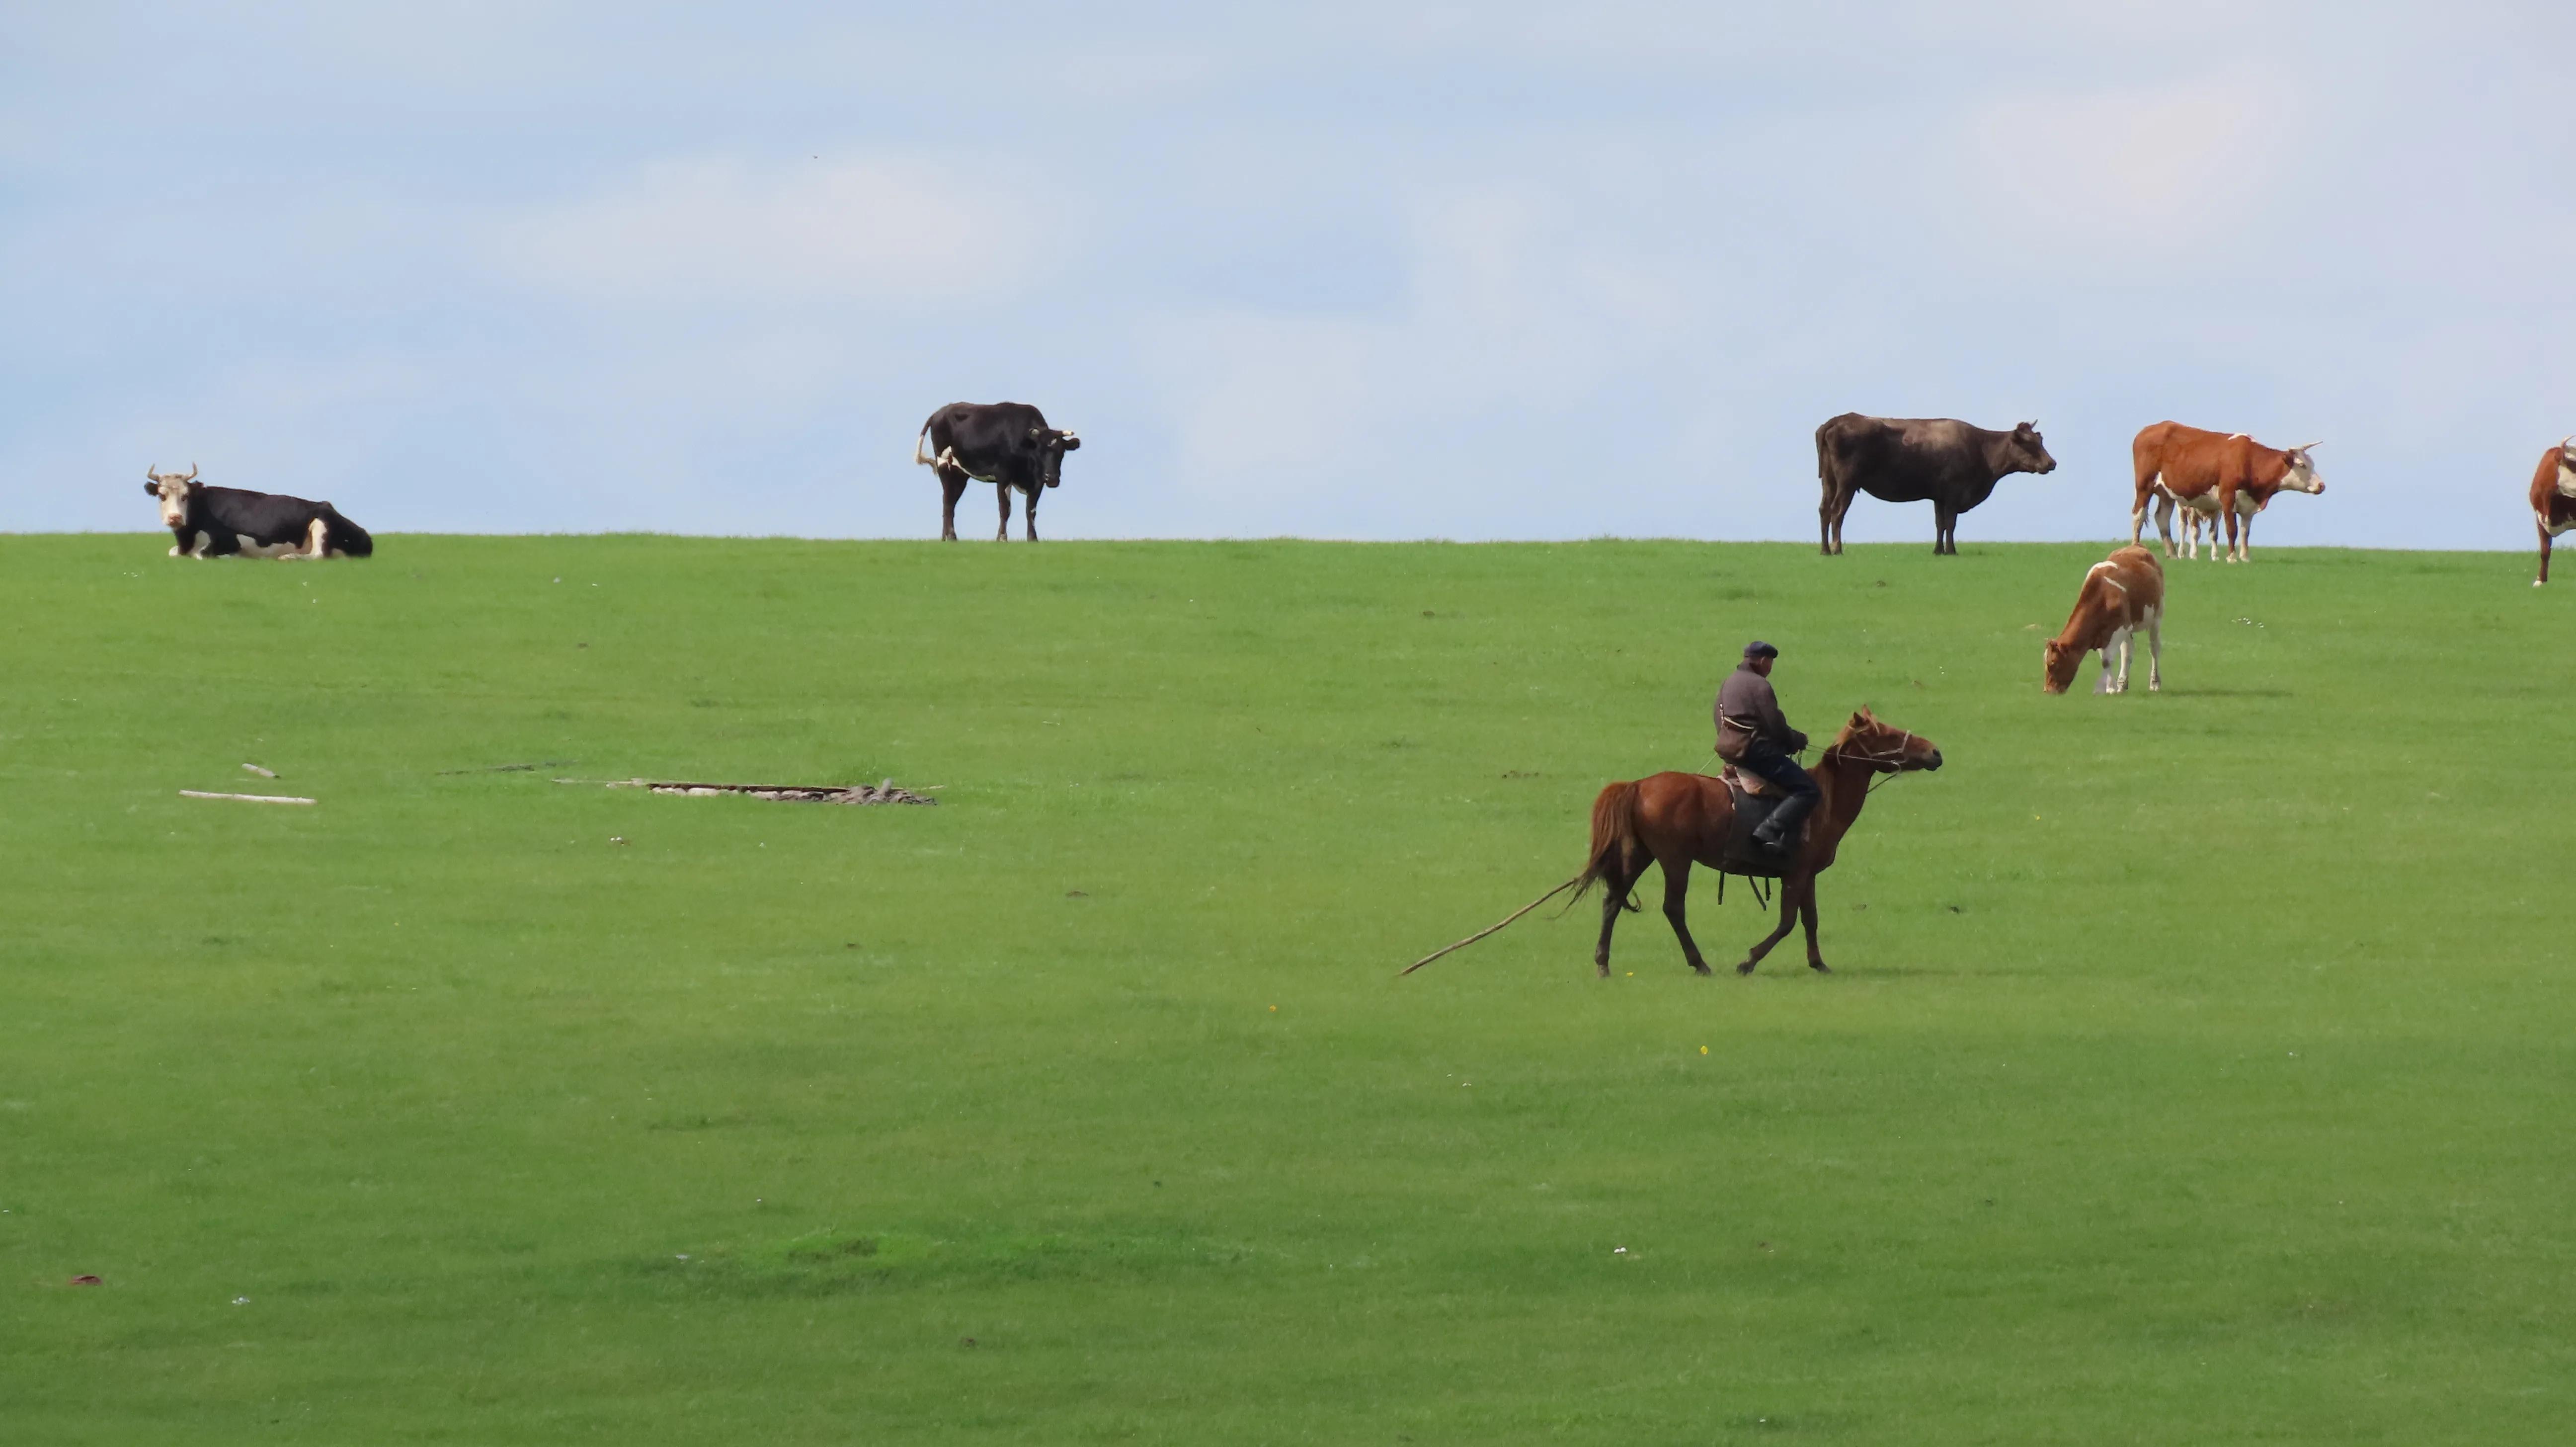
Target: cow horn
[[2310, 446], [152, 470], [2563, 441], [192, 472]]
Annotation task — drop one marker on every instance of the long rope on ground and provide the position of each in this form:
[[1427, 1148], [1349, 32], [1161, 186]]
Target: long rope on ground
[[1489, 929]]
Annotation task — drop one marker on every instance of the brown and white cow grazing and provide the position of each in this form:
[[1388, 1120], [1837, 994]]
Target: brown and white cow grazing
[[2236, 474], [2121, 594], [2553, 498]]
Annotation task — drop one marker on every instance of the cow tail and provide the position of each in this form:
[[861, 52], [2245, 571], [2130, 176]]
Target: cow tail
[[918, 455], [1614, 834]]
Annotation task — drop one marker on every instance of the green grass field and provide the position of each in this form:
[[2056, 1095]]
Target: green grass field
[[2197, 1068]]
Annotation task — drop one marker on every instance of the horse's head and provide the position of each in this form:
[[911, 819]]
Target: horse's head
[[1884, 747]]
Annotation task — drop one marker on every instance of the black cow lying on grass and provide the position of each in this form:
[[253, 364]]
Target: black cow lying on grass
[[223, 522], [1008, 444]]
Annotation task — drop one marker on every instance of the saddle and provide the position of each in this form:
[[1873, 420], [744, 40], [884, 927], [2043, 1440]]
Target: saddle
[[1753, 784], [1754, 801]]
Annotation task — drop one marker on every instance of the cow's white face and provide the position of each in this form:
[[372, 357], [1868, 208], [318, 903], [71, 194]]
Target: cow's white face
[[2566, 471], [172, 488], [2302, 476]]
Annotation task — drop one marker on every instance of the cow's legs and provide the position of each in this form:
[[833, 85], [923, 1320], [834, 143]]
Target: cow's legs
[[1003, 491], [1030, 509], [2110, 646], [1945, 520], [1676, 890], [2156, 650], [1829, 518], [2164, 523], [2544, 554], [952, 486]]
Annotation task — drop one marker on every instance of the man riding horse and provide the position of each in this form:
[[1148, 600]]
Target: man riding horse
[[1754, 737]]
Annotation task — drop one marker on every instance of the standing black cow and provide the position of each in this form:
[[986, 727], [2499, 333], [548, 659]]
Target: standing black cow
[[226, 522], [1007, 444], [1915, 459]]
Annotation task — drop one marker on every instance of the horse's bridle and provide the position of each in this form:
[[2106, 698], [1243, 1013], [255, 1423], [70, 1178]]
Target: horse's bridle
[[1876, 758]]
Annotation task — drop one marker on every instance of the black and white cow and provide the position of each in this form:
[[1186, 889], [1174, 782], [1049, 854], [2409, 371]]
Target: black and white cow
[[1007, 444], [223, 522]]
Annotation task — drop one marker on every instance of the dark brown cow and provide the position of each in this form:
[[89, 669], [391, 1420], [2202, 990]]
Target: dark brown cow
[[2226, 472], [1940, 460], [2122, 594], [2553, 498]]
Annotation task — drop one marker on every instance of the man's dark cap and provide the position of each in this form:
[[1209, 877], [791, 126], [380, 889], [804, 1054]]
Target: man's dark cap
[[1759, 649]]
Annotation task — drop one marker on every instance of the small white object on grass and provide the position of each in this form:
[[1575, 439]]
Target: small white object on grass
[[245, 798], [263, 773]]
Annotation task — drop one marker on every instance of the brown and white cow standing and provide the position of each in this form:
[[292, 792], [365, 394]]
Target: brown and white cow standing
[[2122, 594], [2553, 498], [2198, 516], [2234, 473]]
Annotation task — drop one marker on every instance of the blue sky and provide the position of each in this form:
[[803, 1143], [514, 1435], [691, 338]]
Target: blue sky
[[1331, 270]]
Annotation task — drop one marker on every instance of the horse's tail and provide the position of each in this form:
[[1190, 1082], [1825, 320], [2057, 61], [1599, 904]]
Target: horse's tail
[[1614, 832]]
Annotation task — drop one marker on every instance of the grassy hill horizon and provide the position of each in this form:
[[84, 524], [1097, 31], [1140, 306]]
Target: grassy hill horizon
[[2194, 1068]]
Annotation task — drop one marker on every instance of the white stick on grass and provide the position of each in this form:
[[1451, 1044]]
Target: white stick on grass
[[245, 798]]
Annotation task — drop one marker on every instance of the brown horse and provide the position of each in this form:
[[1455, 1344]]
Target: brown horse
[[1677, 819]]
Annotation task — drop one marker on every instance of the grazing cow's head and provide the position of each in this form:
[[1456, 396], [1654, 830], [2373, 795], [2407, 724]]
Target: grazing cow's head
[[1052, 446], [2061, 661], [173, 488], [2300, 475], [2567, 465]]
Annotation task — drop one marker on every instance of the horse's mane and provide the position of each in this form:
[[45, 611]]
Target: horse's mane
[[1849, 728]]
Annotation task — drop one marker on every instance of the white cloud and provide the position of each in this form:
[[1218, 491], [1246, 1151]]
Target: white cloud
[[894, 232], [2119, 174], [1525, 270]]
